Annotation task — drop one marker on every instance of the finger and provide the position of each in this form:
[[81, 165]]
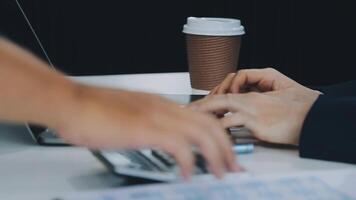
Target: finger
[[181, 151], [236, 119], [220, 113], [202, 132], [202, 127], [225, 85], [213, 92], [225, 144], [195, 132], [212, 154], [248, 121], [208, 131], [218, 103], [263, 78], [212, 128]]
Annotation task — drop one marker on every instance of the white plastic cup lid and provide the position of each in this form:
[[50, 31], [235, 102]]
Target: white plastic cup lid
[[213, 26]]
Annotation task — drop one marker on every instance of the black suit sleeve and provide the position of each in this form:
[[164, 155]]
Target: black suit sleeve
[[329, 131], [339, 90]]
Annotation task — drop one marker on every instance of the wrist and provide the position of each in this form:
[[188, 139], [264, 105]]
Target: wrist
[[302, 111]]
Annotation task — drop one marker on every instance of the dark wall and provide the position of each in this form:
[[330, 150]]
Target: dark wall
[[311, 41]]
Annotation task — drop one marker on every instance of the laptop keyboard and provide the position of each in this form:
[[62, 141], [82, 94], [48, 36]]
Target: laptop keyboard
[[170, 161], [138, 161], [149, 160], [164, 158]]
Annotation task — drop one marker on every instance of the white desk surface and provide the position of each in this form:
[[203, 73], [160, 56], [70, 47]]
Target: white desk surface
[[28, 171]]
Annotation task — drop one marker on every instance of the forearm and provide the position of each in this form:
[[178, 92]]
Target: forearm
[[29, 90]]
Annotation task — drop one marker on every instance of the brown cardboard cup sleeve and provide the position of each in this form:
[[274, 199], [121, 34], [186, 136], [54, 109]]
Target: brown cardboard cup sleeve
[[211, 59], [213, 49]]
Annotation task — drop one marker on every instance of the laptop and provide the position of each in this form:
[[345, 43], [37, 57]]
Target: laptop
[[148, 164], [22, 31]]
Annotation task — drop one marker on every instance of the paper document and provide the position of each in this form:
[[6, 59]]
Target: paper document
[[291, 187]]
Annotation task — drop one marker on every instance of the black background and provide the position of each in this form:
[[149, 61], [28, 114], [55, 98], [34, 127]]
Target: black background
[[310, 41]]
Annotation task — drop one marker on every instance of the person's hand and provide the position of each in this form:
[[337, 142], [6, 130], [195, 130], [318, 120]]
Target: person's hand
[[260, 80], [104, 118], [275, 117], [112, 119]]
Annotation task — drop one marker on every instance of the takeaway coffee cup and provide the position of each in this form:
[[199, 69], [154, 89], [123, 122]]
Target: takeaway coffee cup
[[213, 48]]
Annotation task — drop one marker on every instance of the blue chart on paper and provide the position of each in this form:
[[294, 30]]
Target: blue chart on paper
[[295, 188]]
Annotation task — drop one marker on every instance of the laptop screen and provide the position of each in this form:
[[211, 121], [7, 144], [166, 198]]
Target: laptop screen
[[17, 24]]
